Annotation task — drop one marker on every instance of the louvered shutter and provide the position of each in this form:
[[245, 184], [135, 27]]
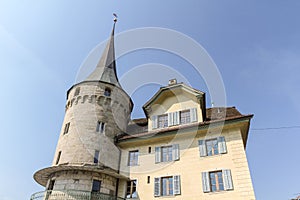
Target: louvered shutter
[[156, 187], [222, 145], [154, 121], [176, 183], [227, 179], [176, 152], [176, 118], [205, 182], [170, 119], [193, 114], [157, 154], [202, 148]]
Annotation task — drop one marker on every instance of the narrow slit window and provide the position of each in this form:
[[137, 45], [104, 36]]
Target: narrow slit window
[[148, 179], [66, 129], [149, 149], [100, 127], [96, 156], [58, 157], [51, 185]]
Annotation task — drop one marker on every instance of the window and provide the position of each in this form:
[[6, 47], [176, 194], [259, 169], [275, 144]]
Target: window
[[212, 147], [67, 126], [133, 158], [100, 127], [149, 149], [215, 181], [77, 91], [185, 117], [51, 185], [58, 157], [167, 186], [167, 153], [107, 92], [148, 179], [96, 186], [162, 121], [96, 156], [174, 118], [131, 189]]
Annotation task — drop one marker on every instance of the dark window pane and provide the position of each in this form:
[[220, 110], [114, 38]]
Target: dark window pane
[[96, 186], [96, 156]]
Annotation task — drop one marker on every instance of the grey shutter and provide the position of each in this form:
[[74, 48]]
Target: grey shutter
[[227, 179], [157, 154], [202, 148], [176, 184], [193, 113], [176, 118], [156, 187], [205, 182], [170, 119], [154, 121], [222, 144], [176, 152]]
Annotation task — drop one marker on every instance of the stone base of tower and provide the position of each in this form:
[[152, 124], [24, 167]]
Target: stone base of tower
[[76, 182]]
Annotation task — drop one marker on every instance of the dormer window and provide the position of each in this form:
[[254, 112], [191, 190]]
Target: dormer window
[[185, 117], [162, 121], [107, 92]]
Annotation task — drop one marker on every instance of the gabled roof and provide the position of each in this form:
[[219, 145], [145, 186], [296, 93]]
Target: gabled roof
[[106, 68], [172, 89]]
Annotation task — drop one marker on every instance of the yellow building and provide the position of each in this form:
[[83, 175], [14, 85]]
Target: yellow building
[[181, 150], [184, 151]]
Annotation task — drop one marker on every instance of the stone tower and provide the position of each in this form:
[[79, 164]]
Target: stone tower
[[86, 162]]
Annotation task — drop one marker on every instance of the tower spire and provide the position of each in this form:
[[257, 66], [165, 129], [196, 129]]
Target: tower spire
[[106, 68]]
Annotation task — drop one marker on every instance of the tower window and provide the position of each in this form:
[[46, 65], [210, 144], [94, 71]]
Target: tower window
[[96, 156], [100, 127], [96, 186], [77, 91], [148, 179], [67, 126], [58, 157], [51, 185], [131, 189], [149, 149], [107, 92]]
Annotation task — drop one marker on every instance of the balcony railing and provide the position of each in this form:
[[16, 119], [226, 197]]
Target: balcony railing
[[72, 195]]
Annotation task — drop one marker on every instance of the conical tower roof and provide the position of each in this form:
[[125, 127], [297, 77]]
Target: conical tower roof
[[106, 68]]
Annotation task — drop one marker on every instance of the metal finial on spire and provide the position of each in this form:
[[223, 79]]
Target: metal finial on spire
[[115, 17]]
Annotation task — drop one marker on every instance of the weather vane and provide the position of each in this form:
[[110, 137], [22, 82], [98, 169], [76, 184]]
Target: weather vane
[[115, 17]]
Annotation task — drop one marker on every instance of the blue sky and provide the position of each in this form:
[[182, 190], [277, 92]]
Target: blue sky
[[255, 44]]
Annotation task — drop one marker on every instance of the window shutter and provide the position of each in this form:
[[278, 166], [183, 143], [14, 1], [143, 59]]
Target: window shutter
[[202, 148], [205, 182], [222, 144], [170, 119], [176, 183], [154, 121], [227, 179], [176, 118], [156, 187], [157, 154], [176, 152], [193, 113]]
